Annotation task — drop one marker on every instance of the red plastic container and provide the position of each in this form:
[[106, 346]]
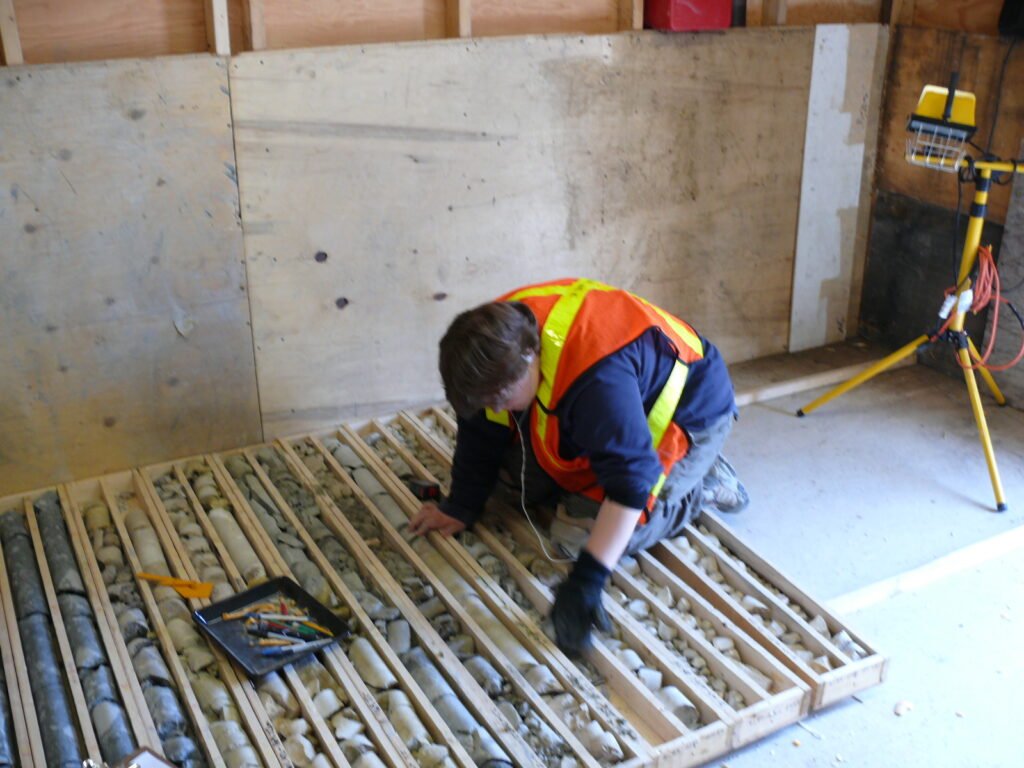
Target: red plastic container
[[687, 15]]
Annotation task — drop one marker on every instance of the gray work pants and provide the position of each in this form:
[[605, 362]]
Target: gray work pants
[[678, 503]]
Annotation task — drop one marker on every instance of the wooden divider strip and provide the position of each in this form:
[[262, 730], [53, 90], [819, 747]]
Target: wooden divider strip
[[324, 734], [184, 686], [763, 712], [669, 557], [738, 577], [755, 564], [445, 420], [30, 740], [433, 444], [432, 719], [85, 729], [250, 707], [10, 39], [446, 661], [524, 628], [381, 731], [103, 612], [640, 638], [218, 33], [709, 738], [756, 655]]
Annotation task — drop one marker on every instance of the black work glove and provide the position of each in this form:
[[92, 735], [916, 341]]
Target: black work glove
[[578, 605]]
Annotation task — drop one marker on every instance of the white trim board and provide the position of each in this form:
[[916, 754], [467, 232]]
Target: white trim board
[[839, 150]]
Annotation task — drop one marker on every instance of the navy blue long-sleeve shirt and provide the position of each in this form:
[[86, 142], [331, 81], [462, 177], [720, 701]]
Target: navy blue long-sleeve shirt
[[602, 416]]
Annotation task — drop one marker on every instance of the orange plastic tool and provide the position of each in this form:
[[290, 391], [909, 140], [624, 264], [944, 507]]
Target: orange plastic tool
[[190, 589]]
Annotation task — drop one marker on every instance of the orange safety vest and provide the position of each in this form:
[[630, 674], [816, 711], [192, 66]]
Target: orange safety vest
[[582, 322]]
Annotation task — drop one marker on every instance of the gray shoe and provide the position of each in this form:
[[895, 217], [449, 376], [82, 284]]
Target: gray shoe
[[722, 489]]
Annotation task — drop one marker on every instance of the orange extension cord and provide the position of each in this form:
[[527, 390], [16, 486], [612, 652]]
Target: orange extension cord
[[986, 287]]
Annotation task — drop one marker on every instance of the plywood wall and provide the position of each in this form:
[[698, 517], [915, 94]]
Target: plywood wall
[[435, 179], [921, 56], [384, 189], [1011, 270], [122, 286]]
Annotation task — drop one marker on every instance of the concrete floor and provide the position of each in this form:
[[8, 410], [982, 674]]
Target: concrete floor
[[883, 481]]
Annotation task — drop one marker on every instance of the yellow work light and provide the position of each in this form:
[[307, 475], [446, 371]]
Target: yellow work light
[[940, 129]]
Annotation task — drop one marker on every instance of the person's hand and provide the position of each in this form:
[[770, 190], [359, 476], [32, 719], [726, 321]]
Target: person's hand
[[431, 518], [578, 605]]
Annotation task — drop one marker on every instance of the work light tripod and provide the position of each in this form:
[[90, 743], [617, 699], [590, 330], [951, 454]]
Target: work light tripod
[[938, 143]]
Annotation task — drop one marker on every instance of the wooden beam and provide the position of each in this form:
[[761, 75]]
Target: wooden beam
[[811, 381], [218, 34], [10, 40], [631, 15], [254, 25], [459, 18], [773, 13], [897, 12], [753, 13]]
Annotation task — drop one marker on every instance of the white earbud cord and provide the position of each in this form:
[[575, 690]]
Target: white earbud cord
[[522, 494]]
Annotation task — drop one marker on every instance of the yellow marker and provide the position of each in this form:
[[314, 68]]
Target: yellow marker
[[184, 587], [318, 628]]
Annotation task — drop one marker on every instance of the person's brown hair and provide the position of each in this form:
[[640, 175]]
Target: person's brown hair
[[485, 350]]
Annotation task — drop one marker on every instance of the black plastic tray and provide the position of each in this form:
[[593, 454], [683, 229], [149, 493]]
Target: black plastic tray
[[231, 635]]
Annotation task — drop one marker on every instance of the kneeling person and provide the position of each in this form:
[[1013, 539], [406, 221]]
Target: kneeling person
[[606, 398]]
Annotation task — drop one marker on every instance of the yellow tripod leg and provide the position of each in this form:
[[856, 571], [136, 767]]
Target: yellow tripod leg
[[986, 441], [870, 373], [986, 376]]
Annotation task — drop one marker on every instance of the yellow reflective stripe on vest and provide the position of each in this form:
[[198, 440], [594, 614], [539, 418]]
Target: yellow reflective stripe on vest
[[691, 339], [498, 417], [545, 290], [552, 340], [656, 490], [553, 336], [556, 330], [665, 406]]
